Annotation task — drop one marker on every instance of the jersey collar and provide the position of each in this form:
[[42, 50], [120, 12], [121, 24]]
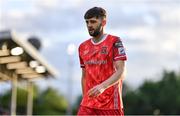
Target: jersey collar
[[105, 35]]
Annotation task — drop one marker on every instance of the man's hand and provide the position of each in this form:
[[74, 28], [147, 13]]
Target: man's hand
[[113, 79], [95, 91]]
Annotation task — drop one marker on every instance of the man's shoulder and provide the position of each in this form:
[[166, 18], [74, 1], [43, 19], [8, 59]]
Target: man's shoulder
[[114, 37], [85, 43]]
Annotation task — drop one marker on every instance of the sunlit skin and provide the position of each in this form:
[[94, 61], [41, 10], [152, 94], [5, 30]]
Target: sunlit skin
[[95, 27], [112, 80]]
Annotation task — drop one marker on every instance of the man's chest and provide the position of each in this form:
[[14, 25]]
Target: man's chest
[[97, 52]]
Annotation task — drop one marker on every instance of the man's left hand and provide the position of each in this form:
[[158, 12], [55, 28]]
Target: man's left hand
[[95, 91]]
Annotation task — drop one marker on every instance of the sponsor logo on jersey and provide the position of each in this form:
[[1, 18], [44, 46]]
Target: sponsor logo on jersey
[[96, 62]]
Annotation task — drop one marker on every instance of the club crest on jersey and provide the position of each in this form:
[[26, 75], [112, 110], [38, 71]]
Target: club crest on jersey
[[104, 50]]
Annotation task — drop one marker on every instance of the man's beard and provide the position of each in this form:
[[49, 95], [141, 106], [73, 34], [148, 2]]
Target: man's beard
[[96, 32]]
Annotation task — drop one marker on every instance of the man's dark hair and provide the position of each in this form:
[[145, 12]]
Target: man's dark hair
[[97, 12]]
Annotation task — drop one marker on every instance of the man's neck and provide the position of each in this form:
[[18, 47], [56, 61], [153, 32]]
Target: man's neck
[[98, 38]]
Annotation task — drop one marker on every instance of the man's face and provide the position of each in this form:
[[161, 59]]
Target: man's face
[[94, 26]]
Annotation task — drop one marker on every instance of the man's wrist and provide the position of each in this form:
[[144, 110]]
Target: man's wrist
[[104, 86]]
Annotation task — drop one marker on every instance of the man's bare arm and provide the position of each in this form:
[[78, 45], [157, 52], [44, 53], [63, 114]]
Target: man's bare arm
[[119, 74]]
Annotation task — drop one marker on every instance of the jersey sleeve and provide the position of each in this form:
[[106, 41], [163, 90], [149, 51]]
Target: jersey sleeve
[[81, 60], [119, 50]]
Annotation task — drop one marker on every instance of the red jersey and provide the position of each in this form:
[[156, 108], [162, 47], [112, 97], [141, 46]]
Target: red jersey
[[97, 60]]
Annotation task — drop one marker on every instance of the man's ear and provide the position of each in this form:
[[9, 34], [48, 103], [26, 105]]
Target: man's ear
[[103, 22]]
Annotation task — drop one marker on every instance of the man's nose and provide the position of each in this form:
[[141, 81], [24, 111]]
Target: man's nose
[[89, 25]]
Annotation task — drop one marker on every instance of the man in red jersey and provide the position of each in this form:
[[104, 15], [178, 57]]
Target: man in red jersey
[[102, 60]]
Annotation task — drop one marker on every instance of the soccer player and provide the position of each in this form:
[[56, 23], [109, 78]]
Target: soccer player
[[102, 59]]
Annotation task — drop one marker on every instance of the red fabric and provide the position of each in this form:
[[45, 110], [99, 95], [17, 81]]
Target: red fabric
[[97, 60], [90, 111]]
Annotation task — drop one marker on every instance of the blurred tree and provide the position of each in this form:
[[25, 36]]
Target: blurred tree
[[76, 105], [5, 102], [48, 102], [161, 97], [35, 41]]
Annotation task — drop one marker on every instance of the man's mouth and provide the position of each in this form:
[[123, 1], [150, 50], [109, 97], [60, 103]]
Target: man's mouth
[[91, 30]]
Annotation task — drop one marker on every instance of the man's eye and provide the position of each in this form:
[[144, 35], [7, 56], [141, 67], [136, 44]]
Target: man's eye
[[93, 21]]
